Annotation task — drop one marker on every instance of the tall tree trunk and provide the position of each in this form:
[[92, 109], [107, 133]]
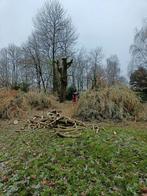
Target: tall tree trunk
[[55, 83], [41, 77], [73, 79], [62, 69], [38, 77], [55, 78]]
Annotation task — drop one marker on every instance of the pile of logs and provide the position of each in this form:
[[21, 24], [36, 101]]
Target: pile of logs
[[62, 125]]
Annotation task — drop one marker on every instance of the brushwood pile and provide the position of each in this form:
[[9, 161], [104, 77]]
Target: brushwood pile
[[114, 103]]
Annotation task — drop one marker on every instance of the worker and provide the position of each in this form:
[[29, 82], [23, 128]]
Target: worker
[[75, 97]]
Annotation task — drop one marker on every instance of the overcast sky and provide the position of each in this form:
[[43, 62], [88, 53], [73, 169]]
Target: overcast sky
[[107, 23]]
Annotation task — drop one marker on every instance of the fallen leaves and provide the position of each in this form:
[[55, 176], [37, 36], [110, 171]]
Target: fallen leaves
[[33, 177], [48, 183], [143, 191], [5, 178]]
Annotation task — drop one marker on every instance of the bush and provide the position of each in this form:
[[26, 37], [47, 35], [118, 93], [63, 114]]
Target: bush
[[15, 87], [142, 95], [16, 104], [38, 100], [23, 86], [12, 104], [70, 92], [117, 102]]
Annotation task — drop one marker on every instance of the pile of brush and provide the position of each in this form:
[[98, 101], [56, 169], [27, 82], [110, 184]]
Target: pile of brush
[[38, 100], [111, 103], [12, 104], [16, 104], [62, 125]]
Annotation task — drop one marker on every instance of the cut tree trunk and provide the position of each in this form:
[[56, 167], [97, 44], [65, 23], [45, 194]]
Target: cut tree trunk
[[62, 68]]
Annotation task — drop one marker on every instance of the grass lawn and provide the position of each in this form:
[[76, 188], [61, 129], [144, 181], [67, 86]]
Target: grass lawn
[[112, 162]]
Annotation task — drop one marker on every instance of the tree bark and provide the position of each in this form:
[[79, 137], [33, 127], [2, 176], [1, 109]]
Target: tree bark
[[62, 69]]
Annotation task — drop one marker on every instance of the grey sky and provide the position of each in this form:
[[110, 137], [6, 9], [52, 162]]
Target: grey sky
[[107, 23]]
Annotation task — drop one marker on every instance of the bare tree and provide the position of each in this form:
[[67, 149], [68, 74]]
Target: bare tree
[[113, 69], [68, 38], [32, 48], [80, 71], [138, 49], [27, 73], [14, 56], [62, 67], [4, 68], [87, 69], [96, 56], [56, 33]]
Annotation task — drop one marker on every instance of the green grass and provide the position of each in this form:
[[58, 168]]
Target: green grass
[[40, 163]]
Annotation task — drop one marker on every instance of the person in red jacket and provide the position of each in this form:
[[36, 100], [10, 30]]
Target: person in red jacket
[[75, 97]]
